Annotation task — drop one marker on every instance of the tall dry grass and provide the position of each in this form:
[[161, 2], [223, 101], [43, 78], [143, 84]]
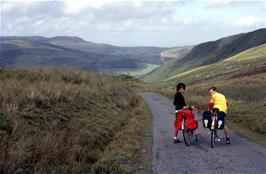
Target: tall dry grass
[[59, 121]]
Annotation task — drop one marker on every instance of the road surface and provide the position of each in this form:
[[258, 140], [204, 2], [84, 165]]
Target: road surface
[[242, 156]]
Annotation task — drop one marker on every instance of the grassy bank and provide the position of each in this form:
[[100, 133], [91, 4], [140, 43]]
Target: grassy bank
[[61, 121], [130, 150]]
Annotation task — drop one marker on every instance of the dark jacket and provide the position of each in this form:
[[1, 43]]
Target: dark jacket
[[179, 101]]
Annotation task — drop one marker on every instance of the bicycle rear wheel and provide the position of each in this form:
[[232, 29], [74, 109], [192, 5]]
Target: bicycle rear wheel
[[188, 136]]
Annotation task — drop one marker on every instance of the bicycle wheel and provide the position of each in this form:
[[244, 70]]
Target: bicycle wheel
[[196, 137], [195, 132], [188, 136], [213, 138]]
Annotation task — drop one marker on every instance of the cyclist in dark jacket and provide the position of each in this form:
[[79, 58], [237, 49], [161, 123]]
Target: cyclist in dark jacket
[[179, 103]]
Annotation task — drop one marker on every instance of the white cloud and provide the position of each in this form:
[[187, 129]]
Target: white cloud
[[218, 3], [39, 22], [6, 7], [222, 3], [77, 6], [28, 1], [248, 21]]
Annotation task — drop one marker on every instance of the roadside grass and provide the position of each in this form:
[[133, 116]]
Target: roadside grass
[[256, 137], [246, 96], [62, 121], [144, 137], [130, 150], [134, 83], [146, 141]]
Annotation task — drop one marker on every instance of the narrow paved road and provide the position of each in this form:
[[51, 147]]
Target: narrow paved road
[[240, 157]]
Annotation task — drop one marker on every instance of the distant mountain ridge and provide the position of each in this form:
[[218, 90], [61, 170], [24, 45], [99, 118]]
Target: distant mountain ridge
[[208, 53], [73, 52], [87, 46]]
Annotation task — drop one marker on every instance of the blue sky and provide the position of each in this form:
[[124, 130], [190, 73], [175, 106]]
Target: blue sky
[[133, 23]]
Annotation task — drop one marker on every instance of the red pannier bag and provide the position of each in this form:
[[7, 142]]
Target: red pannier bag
[[191, 122]]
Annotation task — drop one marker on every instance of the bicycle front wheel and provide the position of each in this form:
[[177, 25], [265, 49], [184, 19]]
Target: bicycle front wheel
[[213, 138]]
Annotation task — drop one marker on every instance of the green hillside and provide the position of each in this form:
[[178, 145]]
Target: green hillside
[[207, 53], [23, 53], [211, 52], [61, 121], [249, 60], [160, 73], [139, 72]]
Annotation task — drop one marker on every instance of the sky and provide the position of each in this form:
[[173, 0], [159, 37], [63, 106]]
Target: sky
[[168, 23]]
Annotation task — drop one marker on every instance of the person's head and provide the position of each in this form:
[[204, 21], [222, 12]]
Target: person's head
[[212, 90], [180, 87]]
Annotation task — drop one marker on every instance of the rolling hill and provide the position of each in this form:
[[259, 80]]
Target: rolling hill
[[74, 52], [82, 45], [207, 53], [249, 62]]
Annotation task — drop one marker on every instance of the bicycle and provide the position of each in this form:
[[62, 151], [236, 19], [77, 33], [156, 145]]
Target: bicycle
[[213, 129], [188, 134]]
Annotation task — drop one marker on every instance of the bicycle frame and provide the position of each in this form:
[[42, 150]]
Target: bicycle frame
[[214, 120]]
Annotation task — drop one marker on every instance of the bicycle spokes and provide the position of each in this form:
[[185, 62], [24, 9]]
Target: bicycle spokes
[[189, 136]]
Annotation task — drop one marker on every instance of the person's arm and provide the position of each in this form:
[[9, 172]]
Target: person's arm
[[227, 104], [185, 104], [210, 106]]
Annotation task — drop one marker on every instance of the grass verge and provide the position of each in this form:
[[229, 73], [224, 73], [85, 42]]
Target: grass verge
[[256, 137], [61, 121], [130, 150]]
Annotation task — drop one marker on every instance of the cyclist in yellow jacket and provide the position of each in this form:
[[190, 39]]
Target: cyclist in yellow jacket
[[219, 101]]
